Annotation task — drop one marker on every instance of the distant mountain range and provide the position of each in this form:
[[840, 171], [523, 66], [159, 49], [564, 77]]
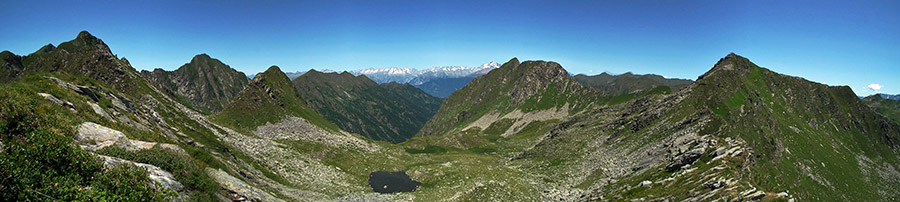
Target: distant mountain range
[[436, 81], [418, 77], [891, 97]]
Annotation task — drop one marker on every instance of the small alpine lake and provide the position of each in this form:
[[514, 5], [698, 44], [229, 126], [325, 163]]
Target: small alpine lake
[[391, 182]]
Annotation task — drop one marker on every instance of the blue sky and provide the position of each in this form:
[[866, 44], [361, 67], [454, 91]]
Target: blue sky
[[855, 43]]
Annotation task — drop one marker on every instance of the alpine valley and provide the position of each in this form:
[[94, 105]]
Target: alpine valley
[[79, 123]]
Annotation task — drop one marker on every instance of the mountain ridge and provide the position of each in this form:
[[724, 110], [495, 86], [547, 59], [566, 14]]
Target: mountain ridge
[[271, 95], [628, 82], [206, 83]]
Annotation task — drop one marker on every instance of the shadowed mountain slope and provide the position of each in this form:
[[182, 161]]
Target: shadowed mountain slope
[[390, 112]]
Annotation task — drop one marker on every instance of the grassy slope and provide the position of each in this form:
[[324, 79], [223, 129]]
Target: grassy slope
[[814, 141], [529, 86], [269, 98], [81, 62], [887, 107]]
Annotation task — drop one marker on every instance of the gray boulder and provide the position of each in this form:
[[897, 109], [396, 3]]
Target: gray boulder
[[686, 158]]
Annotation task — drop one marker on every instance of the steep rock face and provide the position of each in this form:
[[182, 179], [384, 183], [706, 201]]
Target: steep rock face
[[390, 112], [269, 98], [529, 86], [205, 83], [629, 83]]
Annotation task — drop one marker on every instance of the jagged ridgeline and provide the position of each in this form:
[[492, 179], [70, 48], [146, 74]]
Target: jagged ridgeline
[[79, 124], [629, 83], [739, 132], [390, 112], [80, 89], [206, 84]]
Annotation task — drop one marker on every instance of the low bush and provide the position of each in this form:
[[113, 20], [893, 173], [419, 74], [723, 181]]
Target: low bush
[[39, 162]]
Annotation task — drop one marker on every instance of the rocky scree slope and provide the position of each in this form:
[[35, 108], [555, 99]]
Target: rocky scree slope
[[388, 112], [205, 83]]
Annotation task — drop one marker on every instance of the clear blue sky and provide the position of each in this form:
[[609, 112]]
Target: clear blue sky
[[853, 43]]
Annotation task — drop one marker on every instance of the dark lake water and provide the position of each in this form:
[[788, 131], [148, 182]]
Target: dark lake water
[[390, 182]]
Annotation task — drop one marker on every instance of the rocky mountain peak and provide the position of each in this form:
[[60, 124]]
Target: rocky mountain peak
[[86, 42], [47, 48], [514, 62], [201, 56], [125, 61], [86, 35], [733, 64], [540, 71], [208, 83], [272, 72]]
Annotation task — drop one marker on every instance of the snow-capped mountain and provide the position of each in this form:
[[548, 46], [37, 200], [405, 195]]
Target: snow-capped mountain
[[418, 77], [889, 96], [388, 74], [452, 72]]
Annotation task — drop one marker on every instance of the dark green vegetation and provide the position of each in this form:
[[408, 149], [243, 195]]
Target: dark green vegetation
[[186, 171], [39, 162], [628, 83], [205, 83], [269, 98], [887, 107], [390, 112]]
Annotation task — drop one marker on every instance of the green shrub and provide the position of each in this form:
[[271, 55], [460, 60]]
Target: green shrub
[[185, 170], [39, 162]]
